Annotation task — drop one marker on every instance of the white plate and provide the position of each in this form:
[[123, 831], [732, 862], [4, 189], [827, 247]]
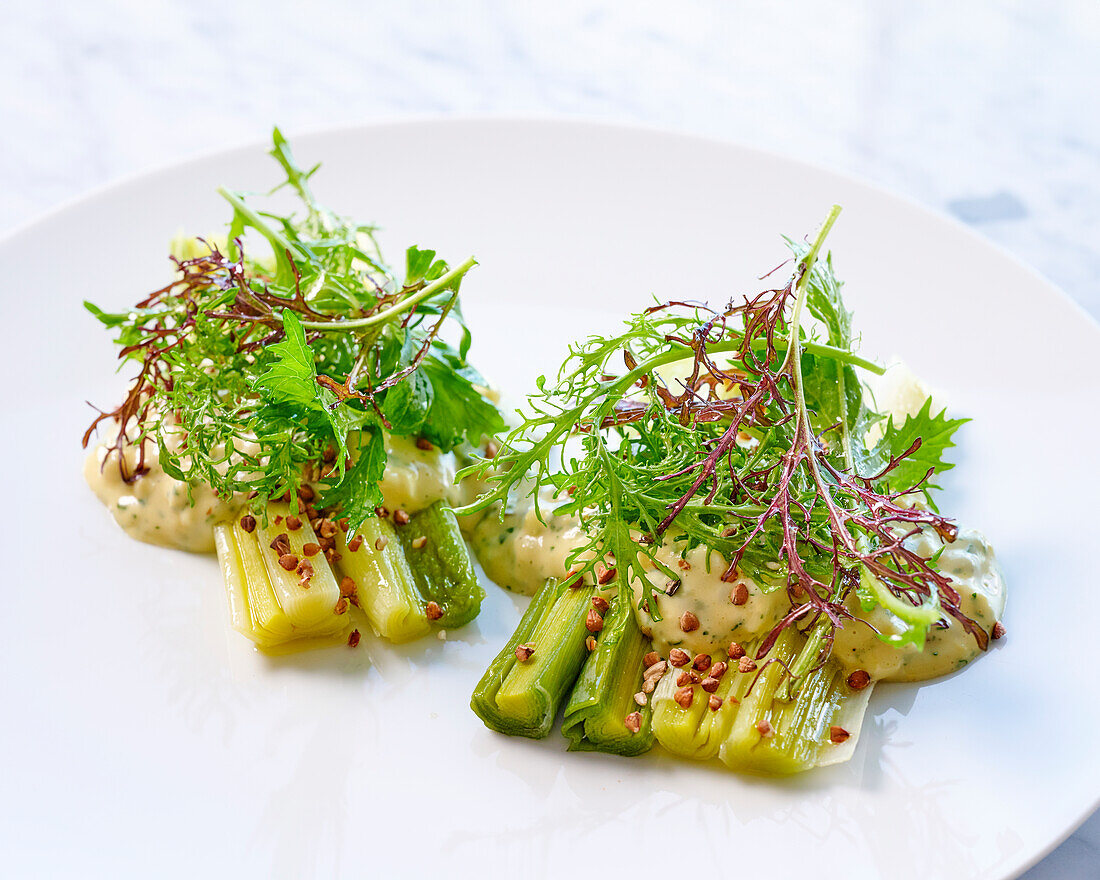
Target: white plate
[[143, 737]]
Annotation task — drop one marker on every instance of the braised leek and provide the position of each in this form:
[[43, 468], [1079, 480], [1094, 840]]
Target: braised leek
[[441, 565], [524, 687], [609, 710]]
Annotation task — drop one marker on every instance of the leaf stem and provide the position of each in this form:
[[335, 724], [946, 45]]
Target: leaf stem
[[807, 268], [279, 243], [441, 283]]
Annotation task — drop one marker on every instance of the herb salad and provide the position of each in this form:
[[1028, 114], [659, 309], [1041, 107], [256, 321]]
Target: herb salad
[[729, 538], [775, 537], [252, 369], [290, 385]]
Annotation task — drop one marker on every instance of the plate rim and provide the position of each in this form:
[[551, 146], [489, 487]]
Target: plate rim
[[411, 120]]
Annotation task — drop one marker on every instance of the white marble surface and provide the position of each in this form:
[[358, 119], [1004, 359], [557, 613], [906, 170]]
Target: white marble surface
[[986, 110]]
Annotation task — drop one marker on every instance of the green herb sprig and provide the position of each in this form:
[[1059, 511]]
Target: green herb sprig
[[744, 430], [255, 373]]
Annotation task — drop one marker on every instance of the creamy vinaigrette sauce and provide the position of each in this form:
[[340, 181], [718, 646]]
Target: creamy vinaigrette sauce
[[724, 616], [975, 574], [159, 509], [156, 508], [415, 478], [518, 551]]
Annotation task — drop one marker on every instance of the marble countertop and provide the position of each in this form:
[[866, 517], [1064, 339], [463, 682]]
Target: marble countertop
[[985, 110]]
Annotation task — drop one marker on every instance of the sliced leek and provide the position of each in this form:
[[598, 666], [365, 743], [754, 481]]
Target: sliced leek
[[521, 697], [254, 607], [608, 710], [751, 720], [441, 565], [304, 606], [695, 730], [773, 736], [384, 584]]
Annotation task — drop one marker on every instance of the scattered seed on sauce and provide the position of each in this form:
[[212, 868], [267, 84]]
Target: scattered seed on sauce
[[689, 622]]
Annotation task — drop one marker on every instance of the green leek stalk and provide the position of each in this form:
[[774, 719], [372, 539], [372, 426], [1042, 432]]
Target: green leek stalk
[[603, 696], [759, 726], [773, 736], [384, 583], [441, 564], [521, 698]]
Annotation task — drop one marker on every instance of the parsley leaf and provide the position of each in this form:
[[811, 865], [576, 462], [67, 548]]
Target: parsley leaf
[[421, 265], [291, 380], [358, 493], [458, 409], [935, 434]]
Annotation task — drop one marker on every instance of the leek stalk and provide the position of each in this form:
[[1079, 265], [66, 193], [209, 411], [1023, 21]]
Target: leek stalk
[[604, 696], [384, 584], [521, 697], [441, 565]]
